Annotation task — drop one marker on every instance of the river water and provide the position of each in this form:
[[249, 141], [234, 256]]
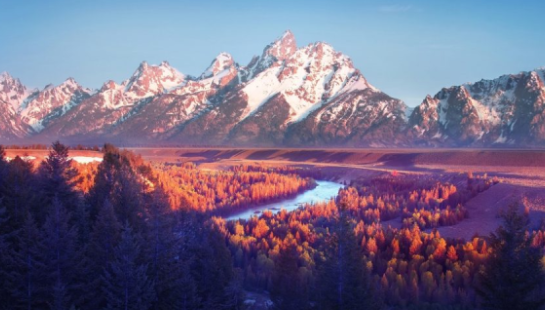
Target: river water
[[323, 191]]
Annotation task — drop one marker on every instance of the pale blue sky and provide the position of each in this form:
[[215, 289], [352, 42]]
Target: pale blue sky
[[406, 48]]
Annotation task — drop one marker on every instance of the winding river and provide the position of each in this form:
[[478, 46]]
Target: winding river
[[323, 191]]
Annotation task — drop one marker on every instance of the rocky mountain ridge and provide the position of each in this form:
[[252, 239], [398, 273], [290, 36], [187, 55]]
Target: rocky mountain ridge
[[287, 96]]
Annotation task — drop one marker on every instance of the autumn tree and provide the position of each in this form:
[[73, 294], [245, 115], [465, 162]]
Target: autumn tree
[[513, 277]]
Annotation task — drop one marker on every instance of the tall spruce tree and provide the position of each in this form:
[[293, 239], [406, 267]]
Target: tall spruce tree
[[188, 298], [104, 238], [117, 181], [288, 291], [513, 277], [5, 254], [18, 191], [27, 269], [344, 281], [162, 251], [57, 180], [209, 260], [126, 284], [62, 257]]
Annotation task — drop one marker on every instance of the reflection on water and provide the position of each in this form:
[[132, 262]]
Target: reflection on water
[[324, 191]]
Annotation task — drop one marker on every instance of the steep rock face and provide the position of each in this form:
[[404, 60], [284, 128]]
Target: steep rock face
[[148, 81], [273, 55], [306, 91], [51, 103], [13, 91], [212, 127], [284, 96], [12, 95], [165, 114], [293, 96], [267, 126], [115, 103], [360, 115], [93, 116], [507, 110], [11, 126]]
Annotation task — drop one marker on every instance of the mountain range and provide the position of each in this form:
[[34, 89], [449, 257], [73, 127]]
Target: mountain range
[[287, 96]]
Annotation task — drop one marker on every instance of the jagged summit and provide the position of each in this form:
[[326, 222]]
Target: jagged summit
[[289, 95], [273, 54], [507, 110], [5, 75], [12, 91], [282, 47], [149, 80], [222, 62]]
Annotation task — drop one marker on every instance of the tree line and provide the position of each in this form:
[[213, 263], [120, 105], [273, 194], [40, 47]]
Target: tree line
[[117, 235], [120, 246]]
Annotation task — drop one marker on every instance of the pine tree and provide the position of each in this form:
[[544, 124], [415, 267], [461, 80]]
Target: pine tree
[[82, 222], [288, 290], [187, 298], [62, 257], [117, 181], [104, 238], [209, 261], [18, 191], [56, 180], [344, 281], [126, 285], [162, 252], [513, 277], [27, 268], [6, 251]]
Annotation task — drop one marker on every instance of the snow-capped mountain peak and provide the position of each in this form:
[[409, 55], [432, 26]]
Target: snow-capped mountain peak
[[149, 80], [509, 109], [4, 75], [312, 95], [109, 85], [307, 79], [273, 55], [282, 47], [12, 90], [53, 101], [222, 62]]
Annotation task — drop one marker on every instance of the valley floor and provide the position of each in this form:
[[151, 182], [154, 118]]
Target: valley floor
[[521, 172]]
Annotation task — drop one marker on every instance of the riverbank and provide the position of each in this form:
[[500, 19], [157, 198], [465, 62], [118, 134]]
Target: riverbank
[[323, 191]]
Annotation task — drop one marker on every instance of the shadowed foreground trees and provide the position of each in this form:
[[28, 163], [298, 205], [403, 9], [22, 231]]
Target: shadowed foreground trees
[[289, 290], [119, 242], [118, 247], [514, 277], [126, 284], [344, 280]]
